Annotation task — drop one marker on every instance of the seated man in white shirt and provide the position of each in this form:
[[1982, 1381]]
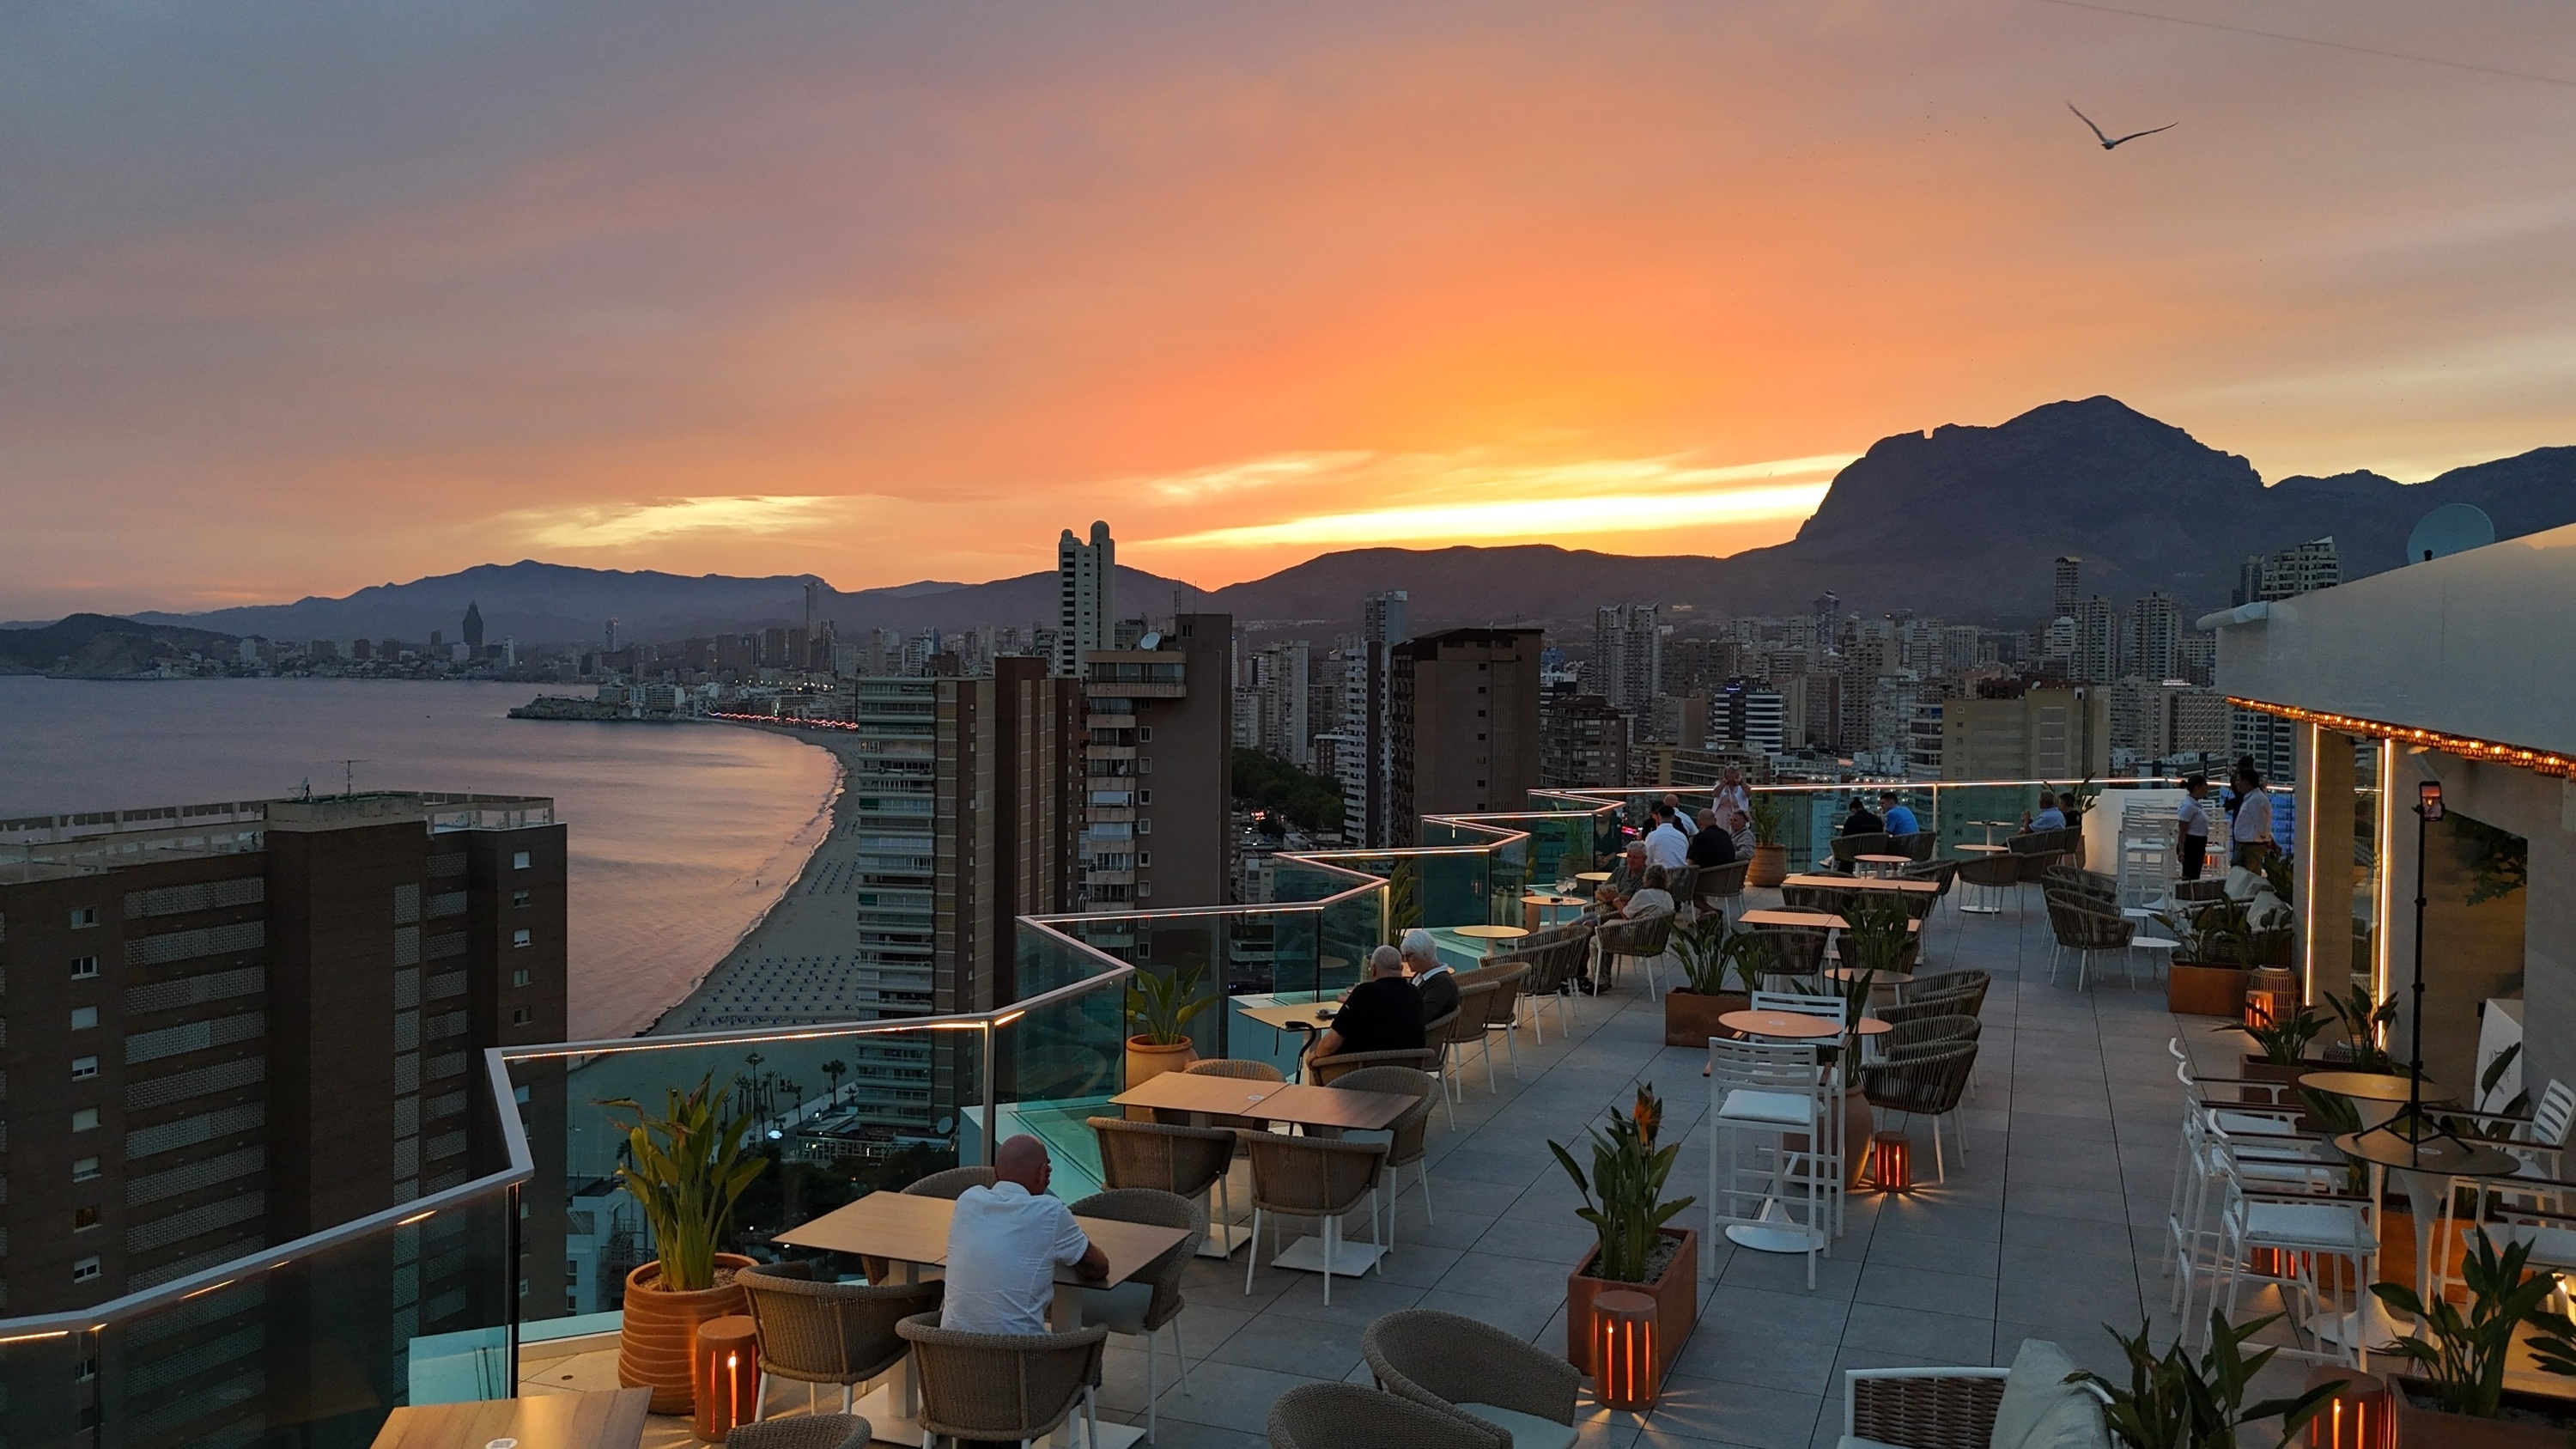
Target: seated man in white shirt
[[1666, 845], [1005, 1243]]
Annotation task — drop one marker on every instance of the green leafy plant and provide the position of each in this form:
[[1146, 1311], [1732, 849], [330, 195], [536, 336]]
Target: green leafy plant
[[1881, 936], [1770, 818], [2277, 873], [2461, 1357], [1624, 1197], [1709, 950], [1403, 897], [2284, 1039], [2173, 1402], [686, 1169], [2363, 1026], [1161, 1006], [2218, 933]]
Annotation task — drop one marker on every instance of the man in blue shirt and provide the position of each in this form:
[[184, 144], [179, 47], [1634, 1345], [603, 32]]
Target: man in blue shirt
[[1899, 818], [2049, 817]]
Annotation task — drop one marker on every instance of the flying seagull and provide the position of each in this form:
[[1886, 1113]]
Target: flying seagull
[[2109, 142]]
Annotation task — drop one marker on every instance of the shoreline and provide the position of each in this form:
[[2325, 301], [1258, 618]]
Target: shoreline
[[807, 919]]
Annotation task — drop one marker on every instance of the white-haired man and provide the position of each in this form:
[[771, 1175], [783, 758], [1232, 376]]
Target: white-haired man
[[1436, 979]]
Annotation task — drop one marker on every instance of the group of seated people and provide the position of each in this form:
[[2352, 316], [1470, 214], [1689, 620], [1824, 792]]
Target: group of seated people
[[1408, 987], [1893, 817]]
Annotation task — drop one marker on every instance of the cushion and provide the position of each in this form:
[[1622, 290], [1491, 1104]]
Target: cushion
[[1528, 1431], [2036, 1385], [1854, 1441], [2073, 1422], [1789, 1109]]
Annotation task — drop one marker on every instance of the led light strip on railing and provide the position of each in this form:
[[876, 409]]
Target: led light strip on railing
[[2467, 747]]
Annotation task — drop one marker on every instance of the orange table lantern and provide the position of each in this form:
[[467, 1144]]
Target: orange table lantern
[[726, 1375], [2359, 1415], [1627, 1359], [1891, 1162]]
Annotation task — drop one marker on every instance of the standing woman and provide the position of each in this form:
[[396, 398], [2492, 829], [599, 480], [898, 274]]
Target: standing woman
[[2193, 817]]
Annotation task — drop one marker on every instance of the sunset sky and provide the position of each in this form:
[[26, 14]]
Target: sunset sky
[[296, 299]]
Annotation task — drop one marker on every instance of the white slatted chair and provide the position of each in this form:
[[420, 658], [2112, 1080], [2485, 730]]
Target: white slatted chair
[[2301, 1222], [1760, 1096], [2538, 1144]]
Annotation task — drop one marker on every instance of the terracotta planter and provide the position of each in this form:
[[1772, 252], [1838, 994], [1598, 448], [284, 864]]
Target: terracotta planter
[[1676, 1296], [2421, 1426], [1146, 1061], [1770, 866], [2192, 990], [1690, 1019], [659, 1332]]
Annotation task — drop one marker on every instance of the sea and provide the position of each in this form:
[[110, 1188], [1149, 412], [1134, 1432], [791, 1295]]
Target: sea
[[681, 835]]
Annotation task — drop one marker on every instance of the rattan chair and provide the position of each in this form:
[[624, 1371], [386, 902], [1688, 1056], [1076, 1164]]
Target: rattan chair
[[805, 1431], [1346, 1416], [1502, 1013], [2085, 932], [1312, 1177], [1003, 1385], [1832, 900], [1405, 1135], [1925, 1080], [949, 1183], [1972, 984], [1183, 1161], [1922, 1408], [1916, 1030], [1324, 1071], [1996, 876], [1682, 881], [1464, 1366], [827, 1333], [1795, 953], [1721, 884], [1642, 938], [1848, 849], [1121, 1310], [1466, 1027], [2100, 889], [2033, 852]]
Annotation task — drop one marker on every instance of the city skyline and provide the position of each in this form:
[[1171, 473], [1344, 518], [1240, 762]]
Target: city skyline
[[1267, 284]]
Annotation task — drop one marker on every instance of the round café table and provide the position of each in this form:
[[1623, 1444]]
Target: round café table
[[1885, 864], [1593, 877], [1991, 826], [1492, 936], [2376, 1097], [1539, 909], [2425, 1169]]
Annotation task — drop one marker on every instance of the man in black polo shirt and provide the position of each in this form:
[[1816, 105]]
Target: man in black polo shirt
[[1381, 1014]]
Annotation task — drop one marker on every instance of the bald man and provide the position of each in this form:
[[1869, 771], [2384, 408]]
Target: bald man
[[1005, 1243]]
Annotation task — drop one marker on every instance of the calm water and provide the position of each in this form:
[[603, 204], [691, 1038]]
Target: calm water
[[681, 835]]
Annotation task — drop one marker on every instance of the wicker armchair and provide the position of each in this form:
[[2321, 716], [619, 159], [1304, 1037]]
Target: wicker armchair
[[1496, 1380], [1118, 1309], [1183, 1161], [1943, 1408], [1324, 1071], [1311, 1177], [2034, 851], [805, 1431], [1919, 845], [950, 1184], [1849, 848], [1829, 899], [1643, 938], [1466, 1028], [1719, 884], [828, 1333], [1995, 876], [1927, 1080], [1405, 1135], [1003, 1385], [1683, 882], [1346, 1416], [2089, 884], [2085, 932], [1228, 1067], [1917, 1030], [1954, 983], [1502, 1013], [1794, 952]]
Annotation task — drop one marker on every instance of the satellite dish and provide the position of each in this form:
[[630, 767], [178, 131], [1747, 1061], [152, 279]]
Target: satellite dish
[[946, 1124], [2449, 529], [1154, 640]]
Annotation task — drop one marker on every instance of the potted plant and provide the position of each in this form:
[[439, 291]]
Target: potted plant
[[1161, 1006], [2364, 1026], [1770, 856], [2213, 955], [2174, 1403], [685, 1169], [1710, 952], [1624, 1202], [2456, 1396], [2281, 1044]]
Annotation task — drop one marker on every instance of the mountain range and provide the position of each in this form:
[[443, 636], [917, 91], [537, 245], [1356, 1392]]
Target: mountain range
[[1959, 521]]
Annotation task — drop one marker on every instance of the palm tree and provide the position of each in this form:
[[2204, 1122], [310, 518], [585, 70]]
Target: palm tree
[[833, 1071]]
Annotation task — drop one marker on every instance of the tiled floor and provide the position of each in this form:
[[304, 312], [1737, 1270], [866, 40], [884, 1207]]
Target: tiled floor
[[2051, 1227]]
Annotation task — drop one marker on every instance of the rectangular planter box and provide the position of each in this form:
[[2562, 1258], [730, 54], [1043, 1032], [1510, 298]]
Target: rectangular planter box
[[2205, 991], [1690, 1019], [2420, 1426], [1676, 1296]]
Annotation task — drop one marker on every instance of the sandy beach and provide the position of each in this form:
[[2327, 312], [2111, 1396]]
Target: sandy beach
[[792, 965]]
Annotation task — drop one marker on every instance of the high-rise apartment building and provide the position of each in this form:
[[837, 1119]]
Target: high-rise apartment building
[[1465, 710], [2316, 564], [2152, 646], [1583, 742], [1086, 597], [1282, 722], [1748, 714], [1159, 831], [1627, 657], [2039, 734], [2162, 719], [474, 631], [238, 1024], [1366, 760], [2095, 657], [2066, 588]]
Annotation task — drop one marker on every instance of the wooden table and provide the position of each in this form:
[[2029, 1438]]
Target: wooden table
[[1814, 920], [1897, 979], [1291, 1016], [1885, 862], [1781, 1025], [1303, 1105], [1861, 883], [609, 1419], [1493, 936], [1593, 877], [913, 1232], [1538, 909], [1193, 1092], [1991, 826]]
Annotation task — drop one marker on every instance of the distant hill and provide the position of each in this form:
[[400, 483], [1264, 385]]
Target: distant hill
[[1961, 522], [95, 646]]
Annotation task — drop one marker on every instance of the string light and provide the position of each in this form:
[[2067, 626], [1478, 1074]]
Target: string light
[[2467, 747]]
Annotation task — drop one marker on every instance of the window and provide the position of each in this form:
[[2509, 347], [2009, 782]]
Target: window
[[521, 938], [84, 1270], [84, 967], [1144, 827], [86, 1120], [85, 1169], [522, 1015], [1144, 764], [84, 1018], [1145, 735], [1144, 797], [519, 899], [1144, 857], [84, 1068], [84, 917], [522, 977], [519, 860], [84, 1219]]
